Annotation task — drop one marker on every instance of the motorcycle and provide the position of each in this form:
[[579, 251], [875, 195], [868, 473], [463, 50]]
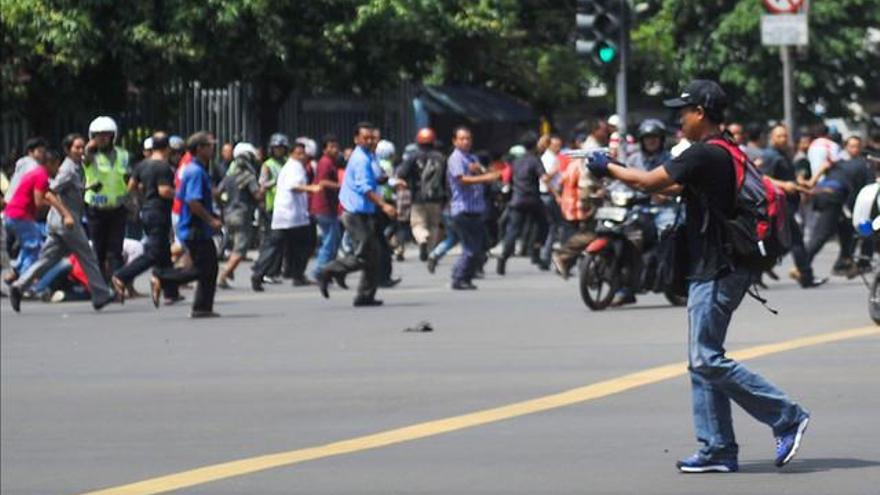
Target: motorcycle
[[622, 251]]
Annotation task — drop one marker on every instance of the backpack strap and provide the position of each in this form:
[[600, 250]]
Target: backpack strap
[[739, 158]]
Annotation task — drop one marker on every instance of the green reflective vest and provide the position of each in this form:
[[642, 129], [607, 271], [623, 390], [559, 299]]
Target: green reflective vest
[[274, 168], [112, 178]]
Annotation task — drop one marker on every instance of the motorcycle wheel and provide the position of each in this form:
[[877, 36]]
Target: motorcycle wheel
[[874, 300], [598, 283], [675, 299]]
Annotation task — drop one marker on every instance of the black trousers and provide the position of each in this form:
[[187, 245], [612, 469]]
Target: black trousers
[[519, 215], [830, 221], [292, 245], [385, 251], [798, 250], [364, 256], [204, 270], [157, 249], [107, 231]]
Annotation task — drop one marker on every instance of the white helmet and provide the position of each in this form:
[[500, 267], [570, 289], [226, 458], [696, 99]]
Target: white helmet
[[243, 150], [148, 144], [311, 147], [384, 149], [103, 124]]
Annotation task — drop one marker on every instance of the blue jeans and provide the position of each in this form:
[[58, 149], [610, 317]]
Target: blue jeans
[[717, 379], [331, 235], [448, 242], [62, 268], [30, 238], [472, 232]]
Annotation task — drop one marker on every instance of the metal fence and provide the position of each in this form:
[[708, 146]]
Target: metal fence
[[230, 113]]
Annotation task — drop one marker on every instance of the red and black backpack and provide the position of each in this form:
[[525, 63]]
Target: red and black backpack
[[757, 235]]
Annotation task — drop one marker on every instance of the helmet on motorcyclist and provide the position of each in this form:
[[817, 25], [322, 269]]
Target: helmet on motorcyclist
[[245, 150], [279, 139], [425, 136], [651, 127]]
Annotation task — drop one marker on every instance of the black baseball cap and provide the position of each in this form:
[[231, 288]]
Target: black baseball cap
[[700, 92]]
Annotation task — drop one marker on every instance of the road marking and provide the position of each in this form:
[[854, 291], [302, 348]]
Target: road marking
[[597, 390]]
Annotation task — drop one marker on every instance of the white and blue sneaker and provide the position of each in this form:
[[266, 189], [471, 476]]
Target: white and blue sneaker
[[787, 444], [699, 463]]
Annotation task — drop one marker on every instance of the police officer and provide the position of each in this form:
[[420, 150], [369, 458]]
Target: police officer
[[106, 170], [279, 145]]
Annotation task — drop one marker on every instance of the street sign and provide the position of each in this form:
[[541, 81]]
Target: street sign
[[783, 6], [784, 29]]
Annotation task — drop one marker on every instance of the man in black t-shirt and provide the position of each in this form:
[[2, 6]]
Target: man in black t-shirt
[[525, 204], [704, 175], [154, 179]]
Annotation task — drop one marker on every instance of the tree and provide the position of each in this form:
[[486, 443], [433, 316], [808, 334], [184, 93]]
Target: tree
[[61, 55], [721, 40]]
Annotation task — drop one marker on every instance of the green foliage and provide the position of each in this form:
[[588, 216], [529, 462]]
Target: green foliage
[[60, 55], [721, 39]]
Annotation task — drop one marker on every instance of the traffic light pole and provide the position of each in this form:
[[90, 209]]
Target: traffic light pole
[[621, 99]]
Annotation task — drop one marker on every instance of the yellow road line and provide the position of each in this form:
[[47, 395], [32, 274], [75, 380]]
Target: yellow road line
[[605, 388]]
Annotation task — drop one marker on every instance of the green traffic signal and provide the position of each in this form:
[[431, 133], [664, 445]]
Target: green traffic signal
[[607, 54]]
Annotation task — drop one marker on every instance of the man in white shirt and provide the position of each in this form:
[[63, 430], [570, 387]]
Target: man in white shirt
[[822, 150], [550, 160], [289, 236]]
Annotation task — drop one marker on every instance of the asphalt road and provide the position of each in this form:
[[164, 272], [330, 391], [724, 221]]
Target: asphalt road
[[92, 401]]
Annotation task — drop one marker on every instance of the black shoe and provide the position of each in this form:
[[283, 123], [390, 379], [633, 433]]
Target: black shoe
[[169, 301], [390, 283], [339, 280], [301, 282], [257, 284], [15, 298], [399, 257], [501, 266], [358, 303], [810, 284], [842, 267], [423, 252], [544, 267], [432, 265], [201, 313], [462, 285], [100, 305], [324, 283]]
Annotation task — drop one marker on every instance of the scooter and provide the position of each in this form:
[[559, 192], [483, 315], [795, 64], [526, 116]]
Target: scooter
[[621, 252]]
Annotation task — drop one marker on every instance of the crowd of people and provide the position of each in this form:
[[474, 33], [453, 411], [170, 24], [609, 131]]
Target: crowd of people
[[357, 207], [84, 221]]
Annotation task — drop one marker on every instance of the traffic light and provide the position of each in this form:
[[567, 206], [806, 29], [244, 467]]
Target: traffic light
[[599, 24]]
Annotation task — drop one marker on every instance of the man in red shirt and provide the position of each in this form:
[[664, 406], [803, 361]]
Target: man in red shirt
[[20, 213], [325, 204]]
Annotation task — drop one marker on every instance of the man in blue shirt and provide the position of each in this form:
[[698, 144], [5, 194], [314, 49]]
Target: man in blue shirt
[[468, 205], [359, 200], [195, 229]]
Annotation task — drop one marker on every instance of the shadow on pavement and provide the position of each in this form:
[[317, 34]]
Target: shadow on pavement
[[807, 465], [637, 307]]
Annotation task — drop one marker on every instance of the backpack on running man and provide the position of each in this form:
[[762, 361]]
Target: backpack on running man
[[432, 176], [757, 235]]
